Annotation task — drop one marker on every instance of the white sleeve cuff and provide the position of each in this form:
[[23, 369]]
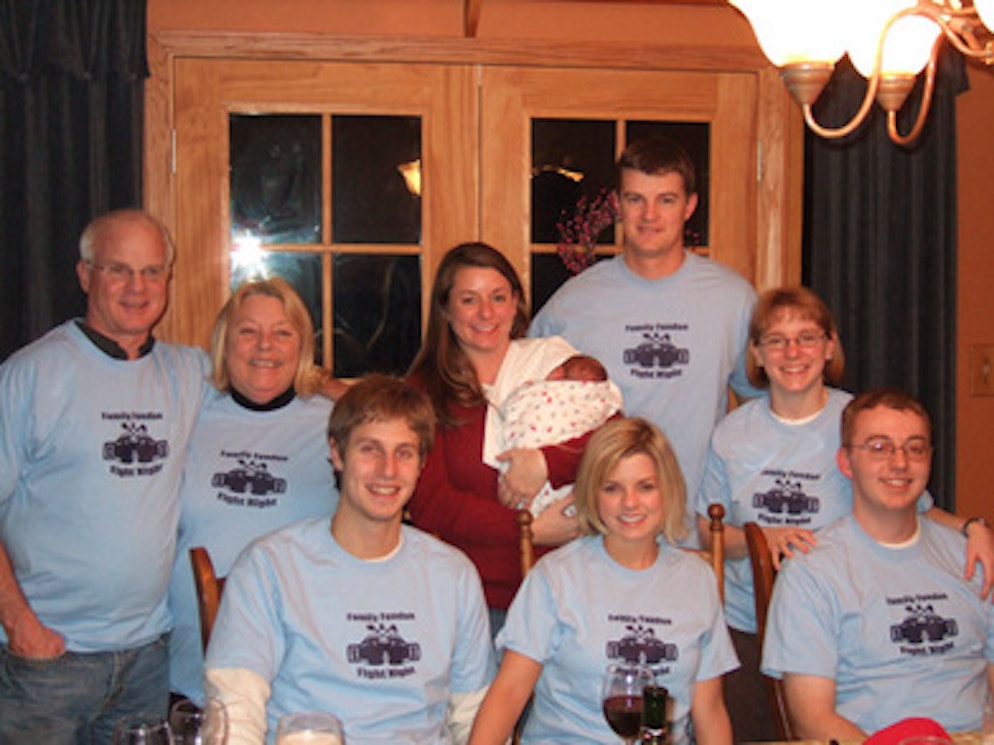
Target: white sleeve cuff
[[462, 711], [244, 694]]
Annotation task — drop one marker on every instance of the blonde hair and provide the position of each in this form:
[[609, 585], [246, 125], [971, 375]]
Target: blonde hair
[[308, 377], [619, 439]]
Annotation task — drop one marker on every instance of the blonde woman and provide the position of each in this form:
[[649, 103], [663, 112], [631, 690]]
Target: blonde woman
[[258, 457], [622, 593]]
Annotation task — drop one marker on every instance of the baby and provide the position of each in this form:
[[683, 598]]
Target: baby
[[573, 399]]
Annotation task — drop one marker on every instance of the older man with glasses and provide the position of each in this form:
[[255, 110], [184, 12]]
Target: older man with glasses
[[877, 622], [94, 422]]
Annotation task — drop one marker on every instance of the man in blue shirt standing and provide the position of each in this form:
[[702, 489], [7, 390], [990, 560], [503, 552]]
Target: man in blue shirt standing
[[94, 422]]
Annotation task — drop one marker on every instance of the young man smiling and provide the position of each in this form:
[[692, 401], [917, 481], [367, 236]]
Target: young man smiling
[[877, 623], [670, 326], [374, 621]]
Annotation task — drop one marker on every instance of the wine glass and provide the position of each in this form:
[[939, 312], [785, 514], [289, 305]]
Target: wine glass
[[193, 725], [309, 728], [621, 698], [142, 729]]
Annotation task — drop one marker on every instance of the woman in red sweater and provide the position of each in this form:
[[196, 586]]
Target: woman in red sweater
[[476, 323]]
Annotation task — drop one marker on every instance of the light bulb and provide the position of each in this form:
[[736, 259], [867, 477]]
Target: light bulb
[[797, 31], [908, 44]]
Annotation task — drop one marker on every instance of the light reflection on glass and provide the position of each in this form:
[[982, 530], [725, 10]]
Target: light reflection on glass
[[248, 257]]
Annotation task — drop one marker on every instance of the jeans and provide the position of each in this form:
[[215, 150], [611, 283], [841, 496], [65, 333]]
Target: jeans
[[77, 698]]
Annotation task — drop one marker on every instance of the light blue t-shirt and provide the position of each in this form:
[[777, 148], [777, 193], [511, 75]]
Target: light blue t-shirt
[[91, 455], [899, 629], [247, 473], [672, 345], [380, 644], [776, 474], [578, 611]]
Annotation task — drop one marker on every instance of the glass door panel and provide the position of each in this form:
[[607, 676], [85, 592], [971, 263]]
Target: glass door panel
[[575, 122], [335, 176]]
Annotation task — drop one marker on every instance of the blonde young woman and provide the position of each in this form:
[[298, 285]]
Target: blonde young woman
[[622, 589]]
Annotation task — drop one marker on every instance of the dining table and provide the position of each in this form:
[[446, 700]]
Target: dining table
[[959, 738]]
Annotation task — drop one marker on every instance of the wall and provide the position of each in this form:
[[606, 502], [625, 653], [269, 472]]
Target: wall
[[644, 24], [975, 414]]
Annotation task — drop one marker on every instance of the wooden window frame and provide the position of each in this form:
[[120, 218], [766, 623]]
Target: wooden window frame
[[779, 126]]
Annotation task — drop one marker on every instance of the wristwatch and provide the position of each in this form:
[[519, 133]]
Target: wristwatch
[[971, 520]]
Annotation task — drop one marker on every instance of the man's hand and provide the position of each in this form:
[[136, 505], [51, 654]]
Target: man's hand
[[980, 548], [784, 541], [31, 639], [526, 473]]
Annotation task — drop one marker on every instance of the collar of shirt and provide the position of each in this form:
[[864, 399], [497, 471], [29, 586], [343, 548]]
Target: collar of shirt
[[276, 403], [110, 347]]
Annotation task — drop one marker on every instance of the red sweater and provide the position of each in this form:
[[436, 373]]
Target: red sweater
[[456, 499]]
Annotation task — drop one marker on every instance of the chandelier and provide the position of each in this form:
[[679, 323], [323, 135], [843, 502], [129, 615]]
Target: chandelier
[[889, 43]]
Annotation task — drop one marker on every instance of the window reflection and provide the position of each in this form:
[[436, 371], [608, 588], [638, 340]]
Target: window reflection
[[570, 158], [372, 201], [276, 177], [377, 311]]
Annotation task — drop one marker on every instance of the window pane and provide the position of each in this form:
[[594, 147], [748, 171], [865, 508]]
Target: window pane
[[302, 270], [377, 311], [275, 177], [570, 158], [372, 202], [548, 273], [696, 140]]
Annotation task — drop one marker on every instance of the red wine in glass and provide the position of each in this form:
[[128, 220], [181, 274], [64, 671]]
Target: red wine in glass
[[621, 698], [624, 715]]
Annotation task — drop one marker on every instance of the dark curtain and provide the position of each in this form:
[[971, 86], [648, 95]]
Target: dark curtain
[[71, 82], [880, 248]]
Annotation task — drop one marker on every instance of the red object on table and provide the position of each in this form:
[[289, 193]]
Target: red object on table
[[911, 727]]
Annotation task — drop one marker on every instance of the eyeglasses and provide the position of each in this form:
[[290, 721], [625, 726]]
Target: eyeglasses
[[883, 448], [804, 340], [118, 272]]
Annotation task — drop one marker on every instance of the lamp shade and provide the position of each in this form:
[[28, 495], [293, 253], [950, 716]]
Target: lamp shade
[[794, 31], [985, 9], [908, 43]]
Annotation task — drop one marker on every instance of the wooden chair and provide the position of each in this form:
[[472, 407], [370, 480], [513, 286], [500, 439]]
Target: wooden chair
[[209, 588], [763, 575], [525, 541], [716, 556]]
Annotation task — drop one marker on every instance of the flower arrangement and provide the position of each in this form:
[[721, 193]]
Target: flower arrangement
[[579, 233]]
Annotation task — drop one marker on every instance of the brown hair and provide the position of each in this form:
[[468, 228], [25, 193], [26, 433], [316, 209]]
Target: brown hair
[[656, 156], [309, 376], [442, 366], [890, 398], [618, 439], [804, 304], [379, 398]]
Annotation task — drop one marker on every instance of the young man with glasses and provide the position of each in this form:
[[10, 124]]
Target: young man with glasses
[[877, 623], [94, 422]]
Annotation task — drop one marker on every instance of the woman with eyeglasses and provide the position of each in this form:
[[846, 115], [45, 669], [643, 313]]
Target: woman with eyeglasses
[[772, 462]]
